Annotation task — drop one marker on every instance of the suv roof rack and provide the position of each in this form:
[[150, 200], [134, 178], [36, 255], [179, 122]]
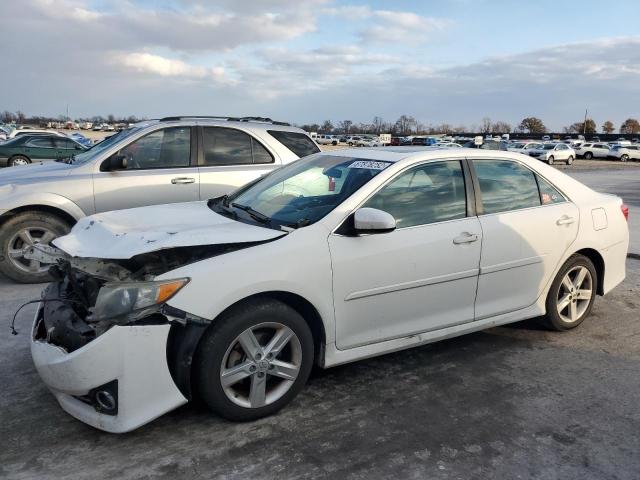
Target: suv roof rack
[[227, 118]]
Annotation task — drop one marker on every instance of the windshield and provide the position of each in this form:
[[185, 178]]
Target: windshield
[[518, 145], [103, 145], [303, 192]]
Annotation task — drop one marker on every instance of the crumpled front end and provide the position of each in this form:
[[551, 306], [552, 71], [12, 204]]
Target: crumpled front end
[[114, 374]]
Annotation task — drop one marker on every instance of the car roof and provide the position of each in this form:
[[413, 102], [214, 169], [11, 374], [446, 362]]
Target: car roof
[[221, 122]]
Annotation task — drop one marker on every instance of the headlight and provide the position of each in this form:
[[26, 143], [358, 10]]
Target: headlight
[[133, 299]]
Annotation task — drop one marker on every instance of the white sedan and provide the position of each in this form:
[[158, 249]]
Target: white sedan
[[554, 152], [334, 258]]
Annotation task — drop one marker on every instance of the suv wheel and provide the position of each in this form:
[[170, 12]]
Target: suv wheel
[[254, 360], [588, 155], [570, 160], [18, 160], [21, 232], [550, 160], [572, 294], [624, 157]]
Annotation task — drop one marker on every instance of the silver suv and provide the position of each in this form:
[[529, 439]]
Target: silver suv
[[174, 159]]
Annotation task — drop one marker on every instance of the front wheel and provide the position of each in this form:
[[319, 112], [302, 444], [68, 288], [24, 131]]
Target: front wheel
[[570, 160], [588, 156], [21, 232], [255, 360], [550, 160], [572, 294], [624, 157], [18, 161]]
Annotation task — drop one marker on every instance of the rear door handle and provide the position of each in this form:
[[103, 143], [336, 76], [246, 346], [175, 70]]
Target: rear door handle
[[565, 220], [466, 237], [180, 180]]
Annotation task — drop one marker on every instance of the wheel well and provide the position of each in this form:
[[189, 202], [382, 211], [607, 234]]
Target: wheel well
[[41, 209], [598, 262], [304, 308], [19, 155]]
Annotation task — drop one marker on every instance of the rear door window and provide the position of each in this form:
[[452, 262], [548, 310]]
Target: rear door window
[[228, 146], [506, 185], [298, 143]]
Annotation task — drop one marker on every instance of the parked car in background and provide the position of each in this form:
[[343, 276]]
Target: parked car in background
[[369, 142], [337, 257], [326, 139], [488, 145], [78, 137], [26, 149], [176, 159], [4, 133], [625, 152], [554, 152], [18, 132], [396, 141], [423, 141], [352, 140], [448, 145], [86, 125], [593, 150], [523, 147], [97, 127]]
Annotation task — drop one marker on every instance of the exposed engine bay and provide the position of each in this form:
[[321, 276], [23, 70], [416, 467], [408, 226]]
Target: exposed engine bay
[[67, 317]]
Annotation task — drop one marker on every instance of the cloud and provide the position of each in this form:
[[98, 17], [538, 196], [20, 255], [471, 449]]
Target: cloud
[[147, 63]]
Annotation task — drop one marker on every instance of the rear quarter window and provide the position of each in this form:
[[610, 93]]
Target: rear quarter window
[[298, 143]]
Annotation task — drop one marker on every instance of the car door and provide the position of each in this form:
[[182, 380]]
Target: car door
[[527, 226], [600, 150], [231, 158], [40, 148], [160, 169], [420, 277], [65, 148]]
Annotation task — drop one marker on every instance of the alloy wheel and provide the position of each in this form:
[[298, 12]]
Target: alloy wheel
[[17, 162], [574, 294], [22, 241], [261, 365]]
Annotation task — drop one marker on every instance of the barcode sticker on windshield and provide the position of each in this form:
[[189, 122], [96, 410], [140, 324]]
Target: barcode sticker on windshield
[[369, 164]]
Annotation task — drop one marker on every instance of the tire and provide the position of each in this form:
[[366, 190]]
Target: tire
[[566, 288], [221, 349], [624, 157], [550, 160], [570, 160], [18, 160], [588, 156], [39, 228]]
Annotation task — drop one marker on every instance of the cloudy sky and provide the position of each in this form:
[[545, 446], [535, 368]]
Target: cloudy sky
[[453, 61]]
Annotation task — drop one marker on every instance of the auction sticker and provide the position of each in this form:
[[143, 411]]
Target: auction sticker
[[369, 164]]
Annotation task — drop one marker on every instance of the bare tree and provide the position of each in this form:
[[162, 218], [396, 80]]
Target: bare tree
[[608, 127], [377, 124], [327, 126], [405, 124], [486, 124], [500, 127], [630, 125], [532, 125], [345, 125]]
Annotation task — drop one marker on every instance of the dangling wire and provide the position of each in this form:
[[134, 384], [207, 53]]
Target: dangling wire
[[43, 300]]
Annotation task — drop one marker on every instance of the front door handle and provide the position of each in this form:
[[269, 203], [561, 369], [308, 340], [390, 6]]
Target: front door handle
[[466, 237], [180, 180], [565, 220]]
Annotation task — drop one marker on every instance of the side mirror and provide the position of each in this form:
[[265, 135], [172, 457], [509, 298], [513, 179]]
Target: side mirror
[[78, 147], [372, 220], [114, 162]]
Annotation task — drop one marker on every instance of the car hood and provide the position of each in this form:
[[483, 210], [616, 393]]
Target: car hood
[[123, 234], [35, 171]]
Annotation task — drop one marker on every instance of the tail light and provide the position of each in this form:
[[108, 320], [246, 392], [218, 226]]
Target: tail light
[[625, 211]]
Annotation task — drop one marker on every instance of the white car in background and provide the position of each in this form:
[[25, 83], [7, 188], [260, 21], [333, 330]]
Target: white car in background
[[554, 152], [368, 142], [625, 152], [326, 139], [524, 147], [333, 258], [593, 150], [448, 145]]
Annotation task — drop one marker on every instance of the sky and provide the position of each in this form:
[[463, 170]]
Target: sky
[[303, 61]]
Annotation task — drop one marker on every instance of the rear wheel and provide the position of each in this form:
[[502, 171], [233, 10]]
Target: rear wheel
[[22, 231], [588, 155], [18, 160], [255, 360], [572, 294]]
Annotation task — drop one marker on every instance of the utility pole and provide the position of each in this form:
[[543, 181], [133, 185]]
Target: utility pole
[[584, 124]]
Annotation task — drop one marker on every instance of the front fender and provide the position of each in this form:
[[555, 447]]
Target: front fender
[[46, 199]]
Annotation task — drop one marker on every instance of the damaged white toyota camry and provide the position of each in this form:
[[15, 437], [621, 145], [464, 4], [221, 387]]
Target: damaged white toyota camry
[[337, 257]]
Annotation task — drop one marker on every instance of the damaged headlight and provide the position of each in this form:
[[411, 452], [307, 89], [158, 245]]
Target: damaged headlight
[[133, 300]]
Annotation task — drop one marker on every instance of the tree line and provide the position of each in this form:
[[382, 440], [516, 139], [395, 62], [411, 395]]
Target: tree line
[[20, 118], [408, 125]]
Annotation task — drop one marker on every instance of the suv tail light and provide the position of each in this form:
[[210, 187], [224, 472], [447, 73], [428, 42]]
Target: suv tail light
[[625, 211]]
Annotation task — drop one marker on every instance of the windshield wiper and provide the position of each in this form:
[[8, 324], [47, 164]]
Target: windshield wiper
[[257, 216]]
